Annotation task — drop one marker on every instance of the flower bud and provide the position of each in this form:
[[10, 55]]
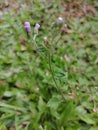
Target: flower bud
[[36, 28], [27, 26], [64, 27], [45, 38], [60, 20]]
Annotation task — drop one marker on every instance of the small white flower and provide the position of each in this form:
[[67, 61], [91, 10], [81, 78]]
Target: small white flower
[[60, 20], [45, 38]]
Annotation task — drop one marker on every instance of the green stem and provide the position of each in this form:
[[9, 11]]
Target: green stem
[[50, 67], [52, 73]]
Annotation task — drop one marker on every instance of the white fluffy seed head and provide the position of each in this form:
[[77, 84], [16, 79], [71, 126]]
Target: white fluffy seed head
[[60, 20]]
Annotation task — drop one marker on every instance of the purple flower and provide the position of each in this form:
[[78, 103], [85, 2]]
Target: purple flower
[[37, 26], [64, 27], [27, 26]]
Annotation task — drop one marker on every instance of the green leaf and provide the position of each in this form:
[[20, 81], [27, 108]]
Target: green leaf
[[41, 104], [86, 118], [8, 94], [41, 49], [54, 103], [2, 126], [94, 128], [67, 113], [62, 75]]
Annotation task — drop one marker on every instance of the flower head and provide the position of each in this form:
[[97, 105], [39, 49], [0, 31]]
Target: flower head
[[36, 28], [64, 27], [60, 20], [27, 26], [45, 38]]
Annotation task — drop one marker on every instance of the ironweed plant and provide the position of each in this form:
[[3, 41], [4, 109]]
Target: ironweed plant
[[48, 71]]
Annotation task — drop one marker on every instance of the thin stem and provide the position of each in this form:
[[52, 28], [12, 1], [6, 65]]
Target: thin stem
[[52, 73], [28, 35], [36, 46], [50, 67]]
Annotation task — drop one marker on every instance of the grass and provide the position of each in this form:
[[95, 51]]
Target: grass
[[52, 85]]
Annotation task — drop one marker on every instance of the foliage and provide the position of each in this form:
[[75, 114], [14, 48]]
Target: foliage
[[48, 84]]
